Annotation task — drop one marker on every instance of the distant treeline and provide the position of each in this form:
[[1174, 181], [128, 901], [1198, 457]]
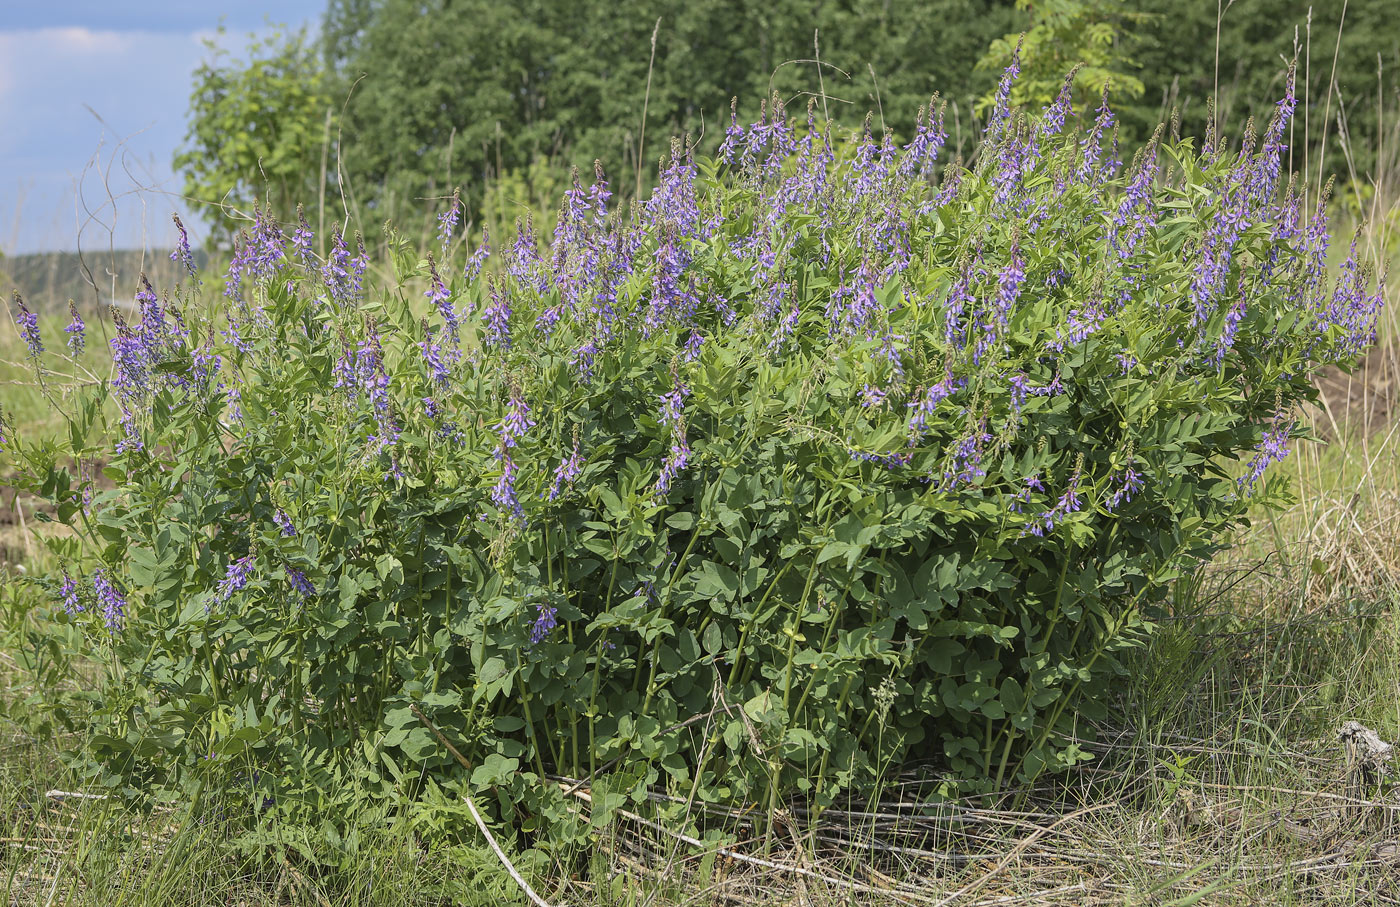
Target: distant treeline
[[413, 97]]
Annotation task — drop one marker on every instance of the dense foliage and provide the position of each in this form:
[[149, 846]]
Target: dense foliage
[[439, 94], [810, 463], [259, 129]]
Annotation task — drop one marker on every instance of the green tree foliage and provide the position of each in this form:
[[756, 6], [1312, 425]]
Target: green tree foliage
[[1177, 52], [442, 93], [454, 91], [1062, 35], [257, 129]]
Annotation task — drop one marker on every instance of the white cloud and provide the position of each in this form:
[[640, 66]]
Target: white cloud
[[68, 95], [78, 41]]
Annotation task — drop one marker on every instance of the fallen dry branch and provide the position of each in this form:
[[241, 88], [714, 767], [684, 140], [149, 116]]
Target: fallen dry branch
[[480, 822]]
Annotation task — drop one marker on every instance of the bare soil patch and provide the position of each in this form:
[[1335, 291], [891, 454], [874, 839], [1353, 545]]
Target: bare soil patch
[[1363, 401]]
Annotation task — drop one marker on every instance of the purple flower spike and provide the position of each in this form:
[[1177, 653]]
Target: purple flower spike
[[182, 252], [236, 578], [567, 471], [503, 493], [1001, 109], [546, 620], [447, 220], [28, 323], [1129, 483], [72, 604], [299, 583], [517, 421], [302, 240], [673, 416], [76, 330], [1273, 448], [110, 598], [497, 317], [441, 299]]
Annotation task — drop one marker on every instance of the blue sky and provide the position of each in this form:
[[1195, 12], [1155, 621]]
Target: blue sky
[[93, 98]]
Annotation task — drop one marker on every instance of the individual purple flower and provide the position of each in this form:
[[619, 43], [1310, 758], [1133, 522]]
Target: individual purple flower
[[76, 330], [284, 523], [299, 583], [28, 323], [517, 420], [110, 598], [70, 593], [546, 619], [441, 299], [567, 471], [235, 578], [1273, 448], [872, 396], [448, 220], [1126, 485], [497, 317], [182, 252], [302, 240], [924, 406], [503, 493], [478, 258], [1030, 485]]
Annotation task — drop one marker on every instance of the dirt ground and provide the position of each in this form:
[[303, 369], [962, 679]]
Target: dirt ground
[[1363, 401]]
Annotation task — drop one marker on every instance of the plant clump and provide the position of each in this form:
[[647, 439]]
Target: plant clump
[[860, 455]]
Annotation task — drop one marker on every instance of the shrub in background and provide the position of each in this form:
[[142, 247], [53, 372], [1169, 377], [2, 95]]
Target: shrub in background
[[824, 457]]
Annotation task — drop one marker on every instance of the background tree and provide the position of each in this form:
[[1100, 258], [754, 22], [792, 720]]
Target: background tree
[[449, 92], [257, 130], [1063, 34], [441, 93]]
